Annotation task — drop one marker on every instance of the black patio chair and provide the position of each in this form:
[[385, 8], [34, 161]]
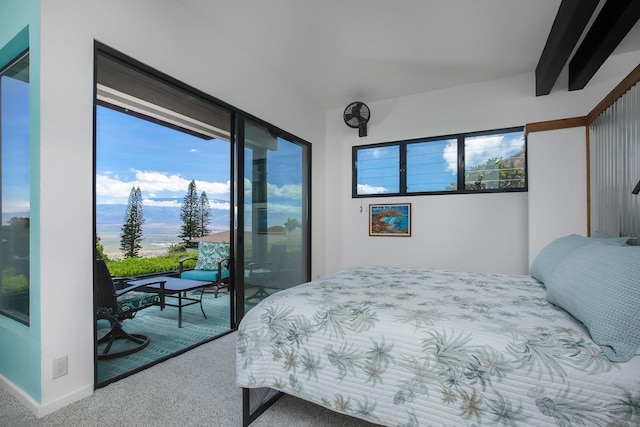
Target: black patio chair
[[265, 274], [115, 305]]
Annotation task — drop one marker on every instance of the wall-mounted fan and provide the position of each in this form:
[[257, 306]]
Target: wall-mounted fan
[[356, 115]]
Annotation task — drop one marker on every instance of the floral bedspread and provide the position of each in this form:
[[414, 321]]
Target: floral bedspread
[[410, 347]]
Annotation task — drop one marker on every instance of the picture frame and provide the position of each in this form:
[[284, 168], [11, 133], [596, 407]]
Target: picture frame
[[390, 220]]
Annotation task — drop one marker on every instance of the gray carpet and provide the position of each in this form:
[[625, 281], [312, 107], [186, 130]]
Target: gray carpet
[[196, 388]]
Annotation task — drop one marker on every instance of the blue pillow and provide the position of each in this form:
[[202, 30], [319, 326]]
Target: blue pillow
[[600, 286], [555, 252]]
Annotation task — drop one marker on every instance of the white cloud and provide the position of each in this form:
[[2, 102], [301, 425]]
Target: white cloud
[[287, 191], [480, 149], [277, 211], [111, 189], [370, 189], [450, 155], [160, 181], [15, 206], [176, 203], [225, 206], [212, 188], [162, 203]]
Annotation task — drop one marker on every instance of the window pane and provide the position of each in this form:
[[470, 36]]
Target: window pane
[[378, 170], [432, 166], [495, 161], [14, 141]]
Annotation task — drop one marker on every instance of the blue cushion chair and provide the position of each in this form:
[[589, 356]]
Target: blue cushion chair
[[115, 304], [212, 265]]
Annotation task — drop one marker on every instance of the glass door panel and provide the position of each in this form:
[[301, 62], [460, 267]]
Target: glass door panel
[[275, 211]]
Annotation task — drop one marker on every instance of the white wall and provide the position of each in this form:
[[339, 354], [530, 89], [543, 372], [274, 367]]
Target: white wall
[[484, 232], [167, 37], [557, 186]]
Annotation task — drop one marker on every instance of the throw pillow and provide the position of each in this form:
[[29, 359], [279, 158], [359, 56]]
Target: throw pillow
[[600, 286], [555, 252], [210, 254]]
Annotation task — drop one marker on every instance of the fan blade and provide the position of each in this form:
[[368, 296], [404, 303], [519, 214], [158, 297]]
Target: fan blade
[[356, 114], [363, 111]]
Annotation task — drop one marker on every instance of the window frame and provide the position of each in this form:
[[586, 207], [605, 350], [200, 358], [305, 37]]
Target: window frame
[[402, 165]]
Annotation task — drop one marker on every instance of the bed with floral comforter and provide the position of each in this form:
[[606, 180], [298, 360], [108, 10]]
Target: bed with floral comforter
[[409, 347]]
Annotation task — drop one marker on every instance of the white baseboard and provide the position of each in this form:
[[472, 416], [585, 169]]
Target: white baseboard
[[38, 409]]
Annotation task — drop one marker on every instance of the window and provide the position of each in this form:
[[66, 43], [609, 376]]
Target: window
[[491, 161], [14, 189], [378, 170]]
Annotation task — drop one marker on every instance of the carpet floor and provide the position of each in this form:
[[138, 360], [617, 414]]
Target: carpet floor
[[196, 388]]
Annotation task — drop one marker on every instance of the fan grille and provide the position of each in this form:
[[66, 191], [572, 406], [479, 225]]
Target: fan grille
[[356, 114]]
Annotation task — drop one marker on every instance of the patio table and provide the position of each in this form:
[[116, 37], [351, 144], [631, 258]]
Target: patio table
[[177, 288]]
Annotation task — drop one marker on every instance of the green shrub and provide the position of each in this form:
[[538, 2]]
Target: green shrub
[[131, 267], [177, 249], [100, 250], [14, 284]]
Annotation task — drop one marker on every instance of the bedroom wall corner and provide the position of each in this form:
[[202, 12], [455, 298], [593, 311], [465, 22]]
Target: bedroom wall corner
[[557, 186]]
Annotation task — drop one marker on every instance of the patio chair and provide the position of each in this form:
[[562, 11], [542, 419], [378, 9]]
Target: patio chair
[[212, 266], [115, 305], [264, 274]]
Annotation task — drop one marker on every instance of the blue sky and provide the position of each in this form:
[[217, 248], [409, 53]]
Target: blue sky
[[159, 160], [162, 162], [15, 146]]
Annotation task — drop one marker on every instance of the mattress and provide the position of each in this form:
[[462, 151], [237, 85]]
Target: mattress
[[409, 347]]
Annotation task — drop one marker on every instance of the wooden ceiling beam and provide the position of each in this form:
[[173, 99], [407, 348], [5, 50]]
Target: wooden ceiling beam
[[610, 27], [568, 26]]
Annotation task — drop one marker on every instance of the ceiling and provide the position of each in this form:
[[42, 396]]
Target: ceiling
[[337, 51]]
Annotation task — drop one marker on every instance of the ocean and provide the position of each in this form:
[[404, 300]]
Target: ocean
[[160, 230], [155, 241], [398, 223]]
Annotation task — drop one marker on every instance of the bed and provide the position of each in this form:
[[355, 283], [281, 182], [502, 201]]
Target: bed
[[410, 346]]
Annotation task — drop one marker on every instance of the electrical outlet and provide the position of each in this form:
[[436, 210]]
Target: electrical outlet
[[60, 367]]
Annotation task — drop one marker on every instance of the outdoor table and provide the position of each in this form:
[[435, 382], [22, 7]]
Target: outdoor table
[[177, 288]]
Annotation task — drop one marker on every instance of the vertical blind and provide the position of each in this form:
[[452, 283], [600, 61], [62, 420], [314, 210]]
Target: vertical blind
[[615, 168]]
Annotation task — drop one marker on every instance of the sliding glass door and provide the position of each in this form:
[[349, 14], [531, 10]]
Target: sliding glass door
[[275, 221], [162, 200], [180, 176]]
